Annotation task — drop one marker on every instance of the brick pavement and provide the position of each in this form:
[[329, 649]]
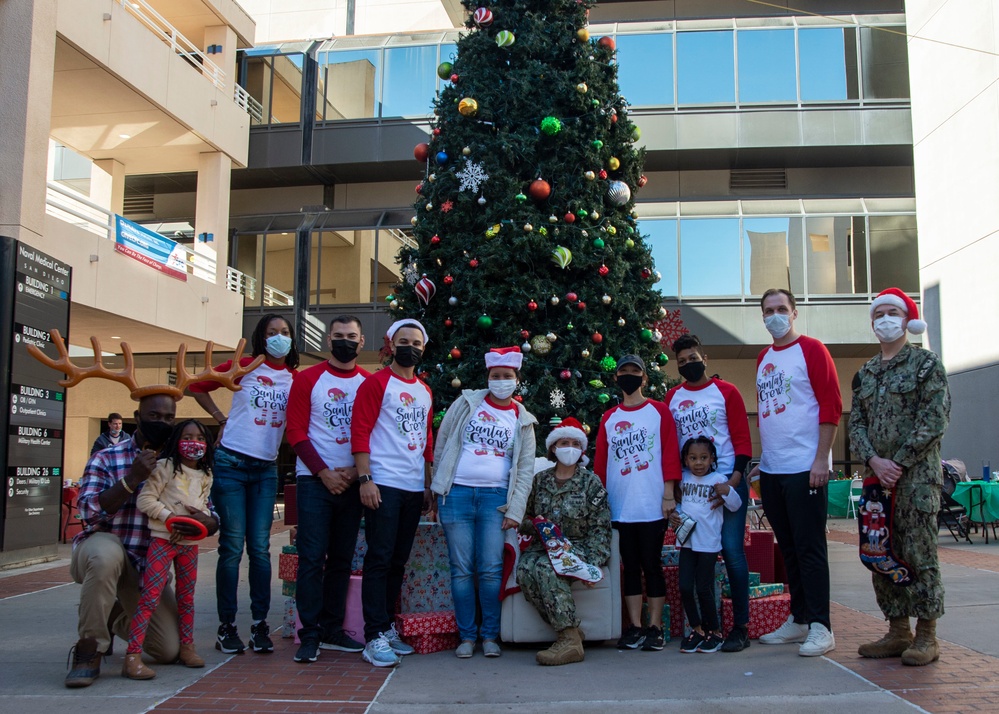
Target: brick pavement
[[947, 554], [24, 583]]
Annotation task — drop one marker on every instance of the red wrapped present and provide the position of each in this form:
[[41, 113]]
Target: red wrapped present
[[766, 614], [290, 505], [672, 574], [288, 567], [428, 644], [670, 537], [414, 624], [760, 555]]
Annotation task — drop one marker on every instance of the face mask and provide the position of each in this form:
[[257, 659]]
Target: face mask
[[156, 433], [777, 325], [407, 356], [278, 346], [191, 449], [888, 328], [114, 432], [502, 388], [568, 455], [344, 350], [629, 383], [692, 371]]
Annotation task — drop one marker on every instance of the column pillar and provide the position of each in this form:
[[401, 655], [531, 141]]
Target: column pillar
[[211, 218], [225, 36], [107, 184]]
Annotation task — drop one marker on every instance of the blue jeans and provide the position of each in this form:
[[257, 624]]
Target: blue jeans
[[327, 535], [473, 527], [243, 491], [734, 552], [389, 531]]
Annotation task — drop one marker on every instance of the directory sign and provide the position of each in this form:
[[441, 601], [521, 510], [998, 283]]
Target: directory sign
[[34, 300]]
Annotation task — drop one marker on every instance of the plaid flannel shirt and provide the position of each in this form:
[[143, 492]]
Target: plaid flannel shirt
[[131, 525]]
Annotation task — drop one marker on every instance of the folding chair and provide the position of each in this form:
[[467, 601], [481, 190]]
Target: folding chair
[[856, 490], [952, 514]]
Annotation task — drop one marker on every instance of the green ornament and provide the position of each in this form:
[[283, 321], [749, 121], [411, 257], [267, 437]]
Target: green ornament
[[597, 144], [439, 417], [631, 230], [389, 298], [551, 126], [485, 322], [444, 70], [520, 198], [629, 243], [662, 358], [636, 134], [608, 364], [603, 398], [570, 326], [594, 102], [543, 231], [582, 213], [645, 335], [596, 383], [598, 243]]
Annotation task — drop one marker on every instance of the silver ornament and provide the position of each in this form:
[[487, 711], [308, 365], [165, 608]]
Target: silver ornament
[[452, 301], [554, 300], [618, 193]]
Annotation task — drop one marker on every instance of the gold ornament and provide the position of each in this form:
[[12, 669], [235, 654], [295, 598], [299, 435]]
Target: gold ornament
[[583, 34], [468, 107], [613, 163]]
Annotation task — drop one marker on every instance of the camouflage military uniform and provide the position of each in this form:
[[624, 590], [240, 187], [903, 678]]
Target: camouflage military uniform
[[579, 507], [900, 412]]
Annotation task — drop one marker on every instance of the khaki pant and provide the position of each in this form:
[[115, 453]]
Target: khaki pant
[[102, 567]]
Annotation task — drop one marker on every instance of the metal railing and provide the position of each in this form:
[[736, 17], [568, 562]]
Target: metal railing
[[250, 105], [239, 282]]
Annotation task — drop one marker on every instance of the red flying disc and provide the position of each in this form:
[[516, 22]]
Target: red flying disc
[[188, 521]]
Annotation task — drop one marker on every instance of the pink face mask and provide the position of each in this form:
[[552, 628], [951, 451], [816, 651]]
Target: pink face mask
[[191, 449]]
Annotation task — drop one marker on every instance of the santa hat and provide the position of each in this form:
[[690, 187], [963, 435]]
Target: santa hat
[[407, 323], [504, 357], [568, 428], [894, 296]]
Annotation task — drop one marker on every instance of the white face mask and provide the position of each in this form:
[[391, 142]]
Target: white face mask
[[568, 455], [777, 324], [502, 388], [889, 328], [278, 346]]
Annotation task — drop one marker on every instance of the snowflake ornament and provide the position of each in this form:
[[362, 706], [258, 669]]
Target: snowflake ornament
[[472, 177], [411, 273], [670, 327], [557, 398]]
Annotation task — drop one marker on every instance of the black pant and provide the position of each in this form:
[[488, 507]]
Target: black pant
[[697, 587], [797, 514], [641, 548], [390, 531]]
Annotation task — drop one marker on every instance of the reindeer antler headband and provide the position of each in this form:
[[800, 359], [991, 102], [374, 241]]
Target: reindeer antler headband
[[75, 374]]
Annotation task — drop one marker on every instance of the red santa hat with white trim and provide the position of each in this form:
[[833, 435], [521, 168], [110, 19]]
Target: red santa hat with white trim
[[568, 428], [504, 357], [894, 296]]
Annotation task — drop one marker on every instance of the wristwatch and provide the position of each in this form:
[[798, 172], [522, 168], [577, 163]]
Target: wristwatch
[[363, 478]]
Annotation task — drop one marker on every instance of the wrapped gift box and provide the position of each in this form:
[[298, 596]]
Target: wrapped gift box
[[666, 619], [670, 537], [427, 583], [766, 614], [757, 591], [288, 588], [428, 644], [760, 555], [671, 555], [426, 623], [288, 567], [289, 615], [290, 549], [672, 574]]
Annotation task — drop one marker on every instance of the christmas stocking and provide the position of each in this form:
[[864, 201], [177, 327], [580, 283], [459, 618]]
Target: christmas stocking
[[565, 562], [875, 523]]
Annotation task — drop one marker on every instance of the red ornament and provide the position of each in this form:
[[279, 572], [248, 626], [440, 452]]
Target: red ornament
[[437, 132], [642, 180], [448, 322], [571, 297], [565, 374], [597, 338], [518, 398], [614, 118], [580, 305], [646, 273], [473, 263], [524, 334], [539, 190], [532, 306], [454, 79], [602, 174], [422, 152], [447, 206], [456, 353], [419, 188], [603, 270], [448, 280], [435, 240], [607, 43], [570, 217]]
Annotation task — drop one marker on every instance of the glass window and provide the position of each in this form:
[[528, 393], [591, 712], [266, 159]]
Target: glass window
[[285, 89], [827, 57], [351, 80], [772, 256], [885, 62], [829, 249], [410, 81], [894, 253], [645, 68], [709, 257], [278, 272], [248, 257], [340, 270], [766, 66], [661, 237], [705, 68]]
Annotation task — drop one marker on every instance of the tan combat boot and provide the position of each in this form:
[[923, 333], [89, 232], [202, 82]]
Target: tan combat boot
[[924, 648], [188, 657], [893, 644], [568, 648], [133, 668]]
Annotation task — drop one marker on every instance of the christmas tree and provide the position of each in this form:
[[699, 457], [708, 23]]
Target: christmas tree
[[525, 226]]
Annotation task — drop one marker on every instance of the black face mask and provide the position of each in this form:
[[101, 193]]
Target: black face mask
[[155, 433], [344, 350], [407, 356], [629, 383], [692, 371]]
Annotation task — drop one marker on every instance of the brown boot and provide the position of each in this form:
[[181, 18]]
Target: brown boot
[[188, 657], [86, 664], [897, 641], [924, 648], [135, 669], [568, 648]]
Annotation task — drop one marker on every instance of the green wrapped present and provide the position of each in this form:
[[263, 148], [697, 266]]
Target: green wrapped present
[[289, 549], [288, 588]]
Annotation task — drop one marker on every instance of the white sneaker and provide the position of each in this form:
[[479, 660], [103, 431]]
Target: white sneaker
[[819, 641], [789, 632], [396, 643], [378, 653]]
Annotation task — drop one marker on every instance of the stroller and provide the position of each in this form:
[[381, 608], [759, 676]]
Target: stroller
[[952, 513]]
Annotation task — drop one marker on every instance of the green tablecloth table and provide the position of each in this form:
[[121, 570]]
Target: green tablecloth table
[[839, 498], [986, 491]]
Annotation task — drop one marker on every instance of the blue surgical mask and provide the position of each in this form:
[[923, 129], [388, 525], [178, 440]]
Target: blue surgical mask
[[278, 346]]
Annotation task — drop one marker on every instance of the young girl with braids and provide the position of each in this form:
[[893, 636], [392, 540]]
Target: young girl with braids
[[180, 485]]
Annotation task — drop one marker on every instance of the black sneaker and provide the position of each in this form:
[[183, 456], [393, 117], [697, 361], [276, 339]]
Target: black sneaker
[[654, 639], [341, 642], [632, 639], [308, 651], [260, 639], [228, 640], [711, 643], [737, 640], [691, 642]]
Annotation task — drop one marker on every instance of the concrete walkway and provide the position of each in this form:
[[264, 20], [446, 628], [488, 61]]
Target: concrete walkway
[[37, 608]]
